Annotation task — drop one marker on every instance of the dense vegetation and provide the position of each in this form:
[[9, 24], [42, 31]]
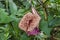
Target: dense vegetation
[[11, 12]]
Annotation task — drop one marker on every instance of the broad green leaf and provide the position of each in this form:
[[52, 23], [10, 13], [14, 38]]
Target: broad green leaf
[[13, 7], [4, 18], [44, 27], [26, 4]]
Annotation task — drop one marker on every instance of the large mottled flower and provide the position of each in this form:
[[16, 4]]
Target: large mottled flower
[[30, 22]]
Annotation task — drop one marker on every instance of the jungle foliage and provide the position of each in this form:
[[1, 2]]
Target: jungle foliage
[[11, 12]]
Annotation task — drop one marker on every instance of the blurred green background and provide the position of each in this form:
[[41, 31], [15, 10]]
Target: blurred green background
[[11, 12]]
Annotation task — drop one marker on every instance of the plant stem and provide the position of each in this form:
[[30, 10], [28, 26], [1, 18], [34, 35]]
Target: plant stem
[[44, 9], [6, 4]]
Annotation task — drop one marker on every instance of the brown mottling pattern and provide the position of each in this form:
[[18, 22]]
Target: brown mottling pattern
[[29, 21], [25, 21]]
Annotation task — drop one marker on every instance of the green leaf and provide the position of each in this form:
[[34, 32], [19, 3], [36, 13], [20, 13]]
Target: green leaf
[[2, 36], [26, 4], [5, 34], [13, 7], [4, 18], [44, 27], [24, 37], [21, 12], [55, 22]]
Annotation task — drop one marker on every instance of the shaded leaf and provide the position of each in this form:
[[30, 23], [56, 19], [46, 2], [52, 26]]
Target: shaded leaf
[[55, 22], [44, 27], [13, 7]]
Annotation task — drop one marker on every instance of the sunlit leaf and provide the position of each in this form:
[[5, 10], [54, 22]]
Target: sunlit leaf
[[4, 18]]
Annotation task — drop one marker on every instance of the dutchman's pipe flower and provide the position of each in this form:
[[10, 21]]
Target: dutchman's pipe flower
[[30, 22]]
